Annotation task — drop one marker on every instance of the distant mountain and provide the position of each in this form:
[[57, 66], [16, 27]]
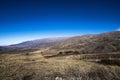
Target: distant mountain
[[38, 42], [90, 43], [33, 44]]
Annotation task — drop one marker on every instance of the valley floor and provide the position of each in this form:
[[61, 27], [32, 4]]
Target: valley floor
[[36, 67]]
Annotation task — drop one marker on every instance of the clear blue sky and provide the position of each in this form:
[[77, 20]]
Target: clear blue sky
[[22, 20]]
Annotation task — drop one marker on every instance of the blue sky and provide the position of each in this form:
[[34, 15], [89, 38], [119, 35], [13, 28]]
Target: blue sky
[[22, 20]]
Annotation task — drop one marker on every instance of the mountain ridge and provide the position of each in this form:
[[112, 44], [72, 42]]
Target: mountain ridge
[[89, 43]]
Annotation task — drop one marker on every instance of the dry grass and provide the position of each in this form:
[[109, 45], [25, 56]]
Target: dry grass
[[36, 67]]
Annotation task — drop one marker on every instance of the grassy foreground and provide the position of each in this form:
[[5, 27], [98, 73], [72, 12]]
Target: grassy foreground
[[36, 67]]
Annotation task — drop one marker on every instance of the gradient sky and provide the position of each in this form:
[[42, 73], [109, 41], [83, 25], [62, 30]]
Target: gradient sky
[[22, 20]]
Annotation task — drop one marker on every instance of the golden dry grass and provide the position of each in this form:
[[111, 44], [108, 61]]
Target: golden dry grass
[[35, 67]]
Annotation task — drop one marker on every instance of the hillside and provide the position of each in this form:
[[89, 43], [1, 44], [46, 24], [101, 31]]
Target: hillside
[[100, 43], [36, 67], [38, 42], [93, 43], [31, 45], [87, 57]]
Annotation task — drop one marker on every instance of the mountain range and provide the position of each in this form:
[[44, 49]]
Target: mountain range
[[90, 43]]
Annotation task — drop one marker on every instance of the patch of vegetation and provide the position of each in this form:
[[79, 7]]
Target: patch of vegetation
[[16, 67]]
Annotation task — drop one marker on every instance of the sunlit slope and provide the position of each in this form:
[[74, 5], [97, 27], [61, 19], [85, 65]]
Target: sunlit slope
[[35, 67]]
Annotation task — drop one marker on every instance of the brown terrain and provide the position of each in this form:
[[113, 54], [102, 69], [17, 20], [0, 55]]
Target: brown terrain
[[87, 57]]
